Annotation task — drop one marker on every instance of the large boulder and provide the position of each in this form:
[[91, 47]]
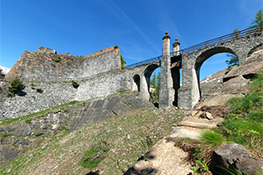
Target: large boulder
[[233, 158]]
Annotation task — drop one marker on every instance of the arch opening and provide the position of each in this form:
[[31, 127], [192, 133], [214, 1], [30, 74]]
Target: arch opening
[[207, 64], [136, 84], [152, 77]]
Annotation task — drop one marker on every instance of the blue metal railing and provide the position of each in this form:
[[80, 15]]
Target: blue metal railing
[[145, 61]]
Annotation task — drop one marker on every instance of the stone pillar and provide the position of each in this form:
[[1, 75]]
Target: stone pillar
[[144, 93], [176, 47], [188, 94], [166, 89]]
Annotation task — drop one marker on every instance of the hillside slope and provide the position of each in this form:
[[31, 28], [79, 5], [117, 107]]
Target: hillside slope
[[126, 136]]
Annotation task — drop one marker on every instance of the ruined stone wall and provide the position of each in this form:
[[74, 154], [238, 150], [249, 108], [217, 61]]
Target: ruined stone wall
[[46, 65], [59, 92], [48, 77]]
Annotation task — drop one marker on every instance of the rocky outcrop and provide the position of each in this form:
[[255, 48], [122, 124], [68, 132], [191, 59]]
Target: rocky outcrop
[[23, 134], [232, 158]]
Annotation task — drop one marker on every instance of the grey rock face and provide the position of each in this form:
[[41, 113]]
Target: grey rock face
[[234, 157], [116, 105], [70, 118], [7, 154]]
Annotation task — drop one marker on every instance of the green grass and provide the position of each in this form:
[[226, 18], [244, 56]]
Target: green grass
[[212, 138], [94, 155], [244, 124]]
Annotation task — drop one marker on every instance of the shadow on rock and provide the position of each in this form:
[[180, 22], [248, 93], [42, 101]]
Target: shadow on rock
[[93, 173]]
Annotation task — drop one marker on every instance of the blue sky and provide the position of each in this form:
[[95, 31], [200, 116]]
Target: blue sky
[[82, 27]]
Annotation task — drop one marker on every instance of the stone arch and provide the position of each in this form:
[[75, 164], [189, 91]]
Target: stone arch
[[148, 72], [136, 83], [205, 56]]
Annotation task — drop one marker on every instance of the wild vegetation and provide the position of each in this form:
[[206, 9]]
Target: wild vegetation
[[110, 146], [155, 84], [16, 87], [244, 125]]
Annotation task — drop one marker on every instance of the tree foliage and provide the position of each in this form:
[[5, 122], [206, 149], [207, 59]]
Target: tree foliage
[[155, 83], [16, 86], [232, 61], [258, 18]]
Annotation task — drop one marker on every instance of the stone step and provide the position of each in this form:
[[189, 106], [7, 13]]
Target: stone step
[[201, 123], [184, 131]]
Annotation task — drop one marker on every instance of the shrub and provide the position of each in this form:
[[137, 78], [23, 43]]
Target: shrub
[[16, 86], [32, 84], [123, 63], [74, 84], [39, 90]]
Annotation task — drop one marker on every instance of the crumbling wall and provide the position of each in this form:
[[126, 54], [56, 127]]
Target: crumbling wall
[[46, 65]]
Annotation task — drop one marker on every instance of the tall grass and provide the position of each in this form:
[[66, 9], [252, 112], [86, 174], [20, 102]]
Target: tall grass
[[244, 125]]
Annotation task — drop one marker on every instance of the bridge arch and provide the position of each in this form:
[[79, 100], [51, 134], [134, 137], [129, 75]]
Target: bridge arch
[[148, 72], [205, 55], [136, 83]]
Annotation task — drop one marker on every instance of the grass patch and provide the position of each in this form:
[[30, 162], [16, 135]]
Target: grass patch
[[94, 155], [212, 138], [244, 124]]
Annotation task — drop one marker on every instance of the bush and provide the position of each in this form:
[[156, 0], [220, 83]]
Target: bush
[[16, 86], [39, 90], [123, 63], [74, 84]]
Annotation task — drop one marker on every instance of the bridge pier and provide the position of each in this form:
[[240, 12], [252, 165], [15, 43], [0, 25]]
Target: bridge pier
[[144, 93], [166, 94], [188, 94]]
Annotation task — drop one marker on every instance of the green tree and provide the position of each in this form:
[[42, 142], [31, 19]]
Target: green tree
[[153, 80], [155, 83], [232, 61], [258, 21], [236, 33]]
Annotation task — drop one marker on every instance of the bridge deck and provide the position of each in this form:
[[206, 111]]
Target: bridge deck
[[235, 35]]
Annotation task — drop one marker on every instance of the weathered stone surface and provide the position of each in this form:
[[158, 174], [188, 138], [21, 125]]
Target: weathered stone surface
[[7, 154], [233, 156], [162, 158], [46, 64], [237, 85], [135, 102], [206, 115], [71, 117], [253, 67], [183, 132], [116, 105], [196, 122]]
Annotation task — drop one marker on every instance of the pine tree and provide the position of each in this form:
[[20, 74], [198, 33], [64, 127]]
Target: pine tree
[[258, 21]]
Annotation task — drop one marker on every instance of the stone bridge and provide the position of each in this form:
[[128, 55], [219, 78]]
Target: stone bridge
[[189, 60]]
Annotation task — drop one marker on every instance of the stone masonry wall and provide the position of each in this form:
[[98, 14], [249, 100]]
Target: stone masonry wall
[[60, 92], [46, 64], [98, 75]]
